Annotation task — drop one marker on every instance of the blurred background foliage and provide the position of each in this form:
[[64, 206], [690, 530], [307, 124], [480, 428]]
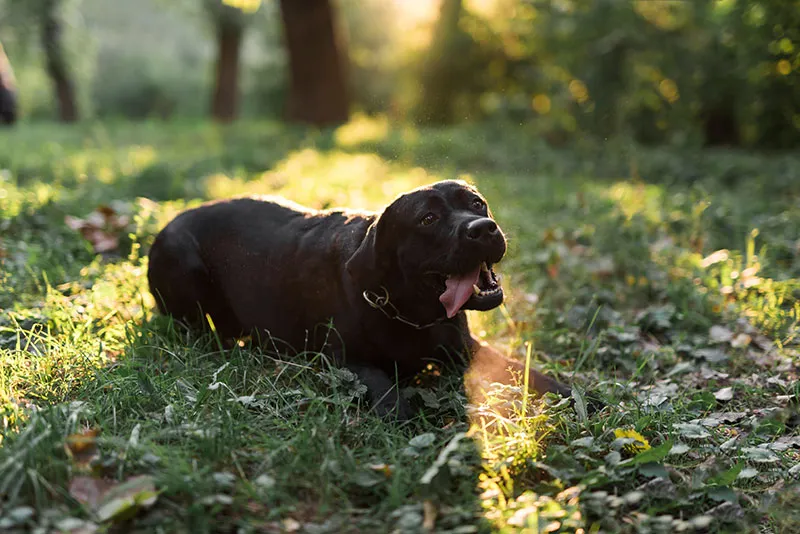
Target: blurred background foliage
[[684, 73]]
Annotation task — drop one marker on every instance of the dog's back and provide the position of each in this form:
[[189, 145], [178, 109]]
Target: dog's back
[[229, 256]]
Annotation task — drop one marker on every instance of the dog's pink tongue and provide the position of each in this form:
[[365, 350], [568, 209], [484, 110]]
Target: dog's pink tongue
[[459, 289]]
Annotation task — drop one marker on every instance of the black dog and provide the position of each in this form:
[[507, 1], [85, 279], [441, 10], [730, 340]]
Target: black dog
[[382, 293]]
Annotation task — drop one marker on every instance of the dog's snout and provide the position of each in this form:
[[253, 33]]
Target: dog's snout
[[481, 228]]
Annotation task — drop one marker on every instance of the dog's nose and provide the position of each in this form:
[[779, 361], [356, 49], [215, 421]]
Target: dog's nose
[[481, 228]]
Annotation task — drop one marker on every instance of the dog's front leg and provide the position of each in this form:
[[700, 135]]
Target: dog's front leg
[[488, 365], [383, 392]]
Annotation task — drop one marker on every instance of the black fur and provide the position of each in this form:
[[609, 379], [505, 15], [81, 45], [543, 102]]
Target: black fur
[[284, 273]]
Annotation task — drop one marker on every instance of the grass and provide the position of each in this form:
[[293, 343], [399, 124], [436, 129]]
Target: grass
[[664, 282]]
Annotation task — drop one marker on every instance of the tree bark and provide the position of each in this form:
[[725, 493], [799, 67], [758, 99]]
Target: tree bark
[[56, 64], [225, 103], [8, 91], [318, 91]]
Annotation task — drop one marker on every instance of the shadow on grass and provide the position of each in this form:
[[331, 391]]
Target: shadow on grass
[[243, 438]]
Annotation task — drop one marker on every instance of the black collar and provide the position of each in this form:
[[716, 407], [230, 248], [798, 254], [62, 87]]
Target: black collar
[[381, 302]]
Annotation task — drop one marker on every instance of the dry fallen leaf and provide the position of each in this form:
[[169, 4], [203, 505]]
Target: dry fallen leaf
[[724, 394], [101, 227], [430, 511], [88, 490], [717, 418], [760, 455], [291, 525], [711, 355], [720, 334], [110, 501], [747, 472], [72, 525], [679, 448], [742, 340], [691, 431], [385, 469], [124, 500], [785, 442], [81, 448]]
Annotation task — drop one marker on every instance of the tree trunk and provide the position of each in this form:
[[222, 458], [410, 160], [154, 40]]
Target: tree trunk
[[225, 102], [56, 64], [720, 125], [440, 74], [317, 83], [8, 91]]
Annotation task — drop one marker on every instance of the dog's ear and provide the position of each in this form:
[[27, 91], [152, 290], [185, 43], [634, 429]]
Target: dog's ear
[[363, 266]]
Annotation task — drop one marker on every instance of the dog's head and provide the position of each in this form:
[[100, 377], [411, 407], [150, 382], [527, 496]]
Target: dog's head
[[434, 246]]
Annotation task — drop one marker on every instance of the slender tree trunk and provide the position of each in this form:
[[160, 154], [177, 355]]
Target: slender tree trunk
[[56, 63], [318, 89], [439, 75], [225, 102], [8, 91]]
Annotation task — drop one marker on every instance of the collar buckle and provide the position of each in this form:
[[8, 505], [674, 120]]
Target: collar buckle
[[382, 303]]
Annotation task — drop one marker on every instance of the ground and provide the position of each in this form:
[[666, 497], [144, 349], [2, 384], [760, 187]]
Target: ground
[[663, 282]]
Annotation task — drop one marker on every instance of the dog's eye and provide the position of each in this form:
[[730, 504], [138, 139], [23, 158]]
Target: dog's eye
[[477, 204], [429, 219]]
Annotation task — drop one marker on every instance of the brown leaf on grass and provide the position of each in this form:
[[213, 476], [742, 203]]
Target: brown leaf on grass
[[81, 448], [122, 501], [107, 500], [88, 490], [429, 514], [101, 228], [110, 501]]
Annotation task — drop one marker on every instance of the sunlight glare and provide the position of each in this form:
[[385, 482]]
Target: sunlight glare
[[417, 12], [326, 180], [362, 129], [483, 8], [246, 6], [414, 21]]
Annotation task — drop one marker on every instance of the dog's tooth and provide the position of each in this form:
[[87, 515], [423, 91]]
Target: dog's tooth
[[476, 289]]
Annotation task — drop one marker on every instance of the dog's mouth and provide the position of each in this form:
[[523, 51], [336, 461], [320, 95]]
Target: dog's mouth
[[478, 289]]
